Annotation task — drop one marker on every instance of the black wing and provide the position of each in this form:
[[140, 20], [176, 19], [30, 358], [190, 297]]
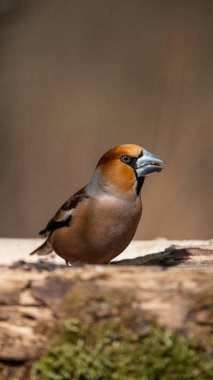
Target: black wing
[[63, 217]]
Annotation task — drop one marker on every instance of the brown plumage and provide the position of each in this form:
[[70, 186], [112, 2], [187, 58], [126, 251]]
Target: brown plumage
[[98, 222]]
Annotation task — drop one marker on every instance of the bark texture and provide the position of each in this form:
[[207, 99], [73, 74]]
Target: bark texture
[[172, 288]]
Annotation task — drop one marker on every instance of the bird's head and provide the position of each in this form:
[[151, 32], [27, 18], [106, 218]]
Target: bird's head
[[124, 167]]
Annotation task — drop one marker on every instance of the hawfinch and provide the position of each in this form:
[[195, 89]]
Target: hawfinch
[[99, 221]]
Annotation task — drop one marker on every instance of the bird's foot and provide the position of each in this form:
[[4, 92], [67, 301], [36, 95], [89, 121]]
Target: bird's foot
[[76, 264]]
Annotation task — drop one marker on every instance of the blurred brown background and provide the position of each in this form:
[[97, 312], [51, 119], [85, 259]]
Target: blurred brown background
[[78, 77]]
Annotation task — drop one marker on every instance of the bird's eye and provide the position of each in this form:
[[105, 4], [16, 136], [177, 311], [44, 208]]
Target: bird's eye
[[125, 159]]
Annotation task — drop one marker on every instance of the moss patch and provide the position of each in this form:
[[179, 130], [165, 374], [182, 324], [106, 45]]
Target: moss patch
[[110, 341], [148, 353]]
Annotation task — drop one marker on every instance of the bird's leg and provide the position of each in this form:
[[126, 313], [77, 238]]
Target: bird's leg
[[78, 264]]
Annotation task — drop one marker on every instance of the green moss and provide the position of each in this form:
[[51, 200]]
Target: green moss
[[111, 341], [146, 353]]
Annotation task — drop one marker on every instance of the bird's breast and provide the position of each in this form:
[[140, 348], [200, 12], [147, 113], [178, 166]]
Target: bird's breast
[[100, 230]]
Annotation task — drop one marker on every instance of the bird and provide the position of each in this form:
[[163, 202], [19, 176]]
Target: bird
[[99, 221]]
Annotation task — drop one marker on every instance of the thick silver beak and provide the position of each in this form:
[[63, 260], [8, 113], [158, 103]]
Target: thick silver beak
[[148, 163]]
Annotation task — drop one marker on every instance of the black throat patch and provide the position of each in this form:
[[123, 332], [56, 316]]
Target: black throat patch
[[140, 181]]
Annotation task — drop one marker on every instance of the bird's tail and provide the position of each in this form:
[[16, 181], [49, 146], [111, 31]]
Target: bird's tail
[[44, 249]]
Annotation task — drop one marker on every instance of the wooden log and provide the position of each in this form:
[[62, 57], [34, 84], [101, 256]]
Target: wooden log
[[32, 296]]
